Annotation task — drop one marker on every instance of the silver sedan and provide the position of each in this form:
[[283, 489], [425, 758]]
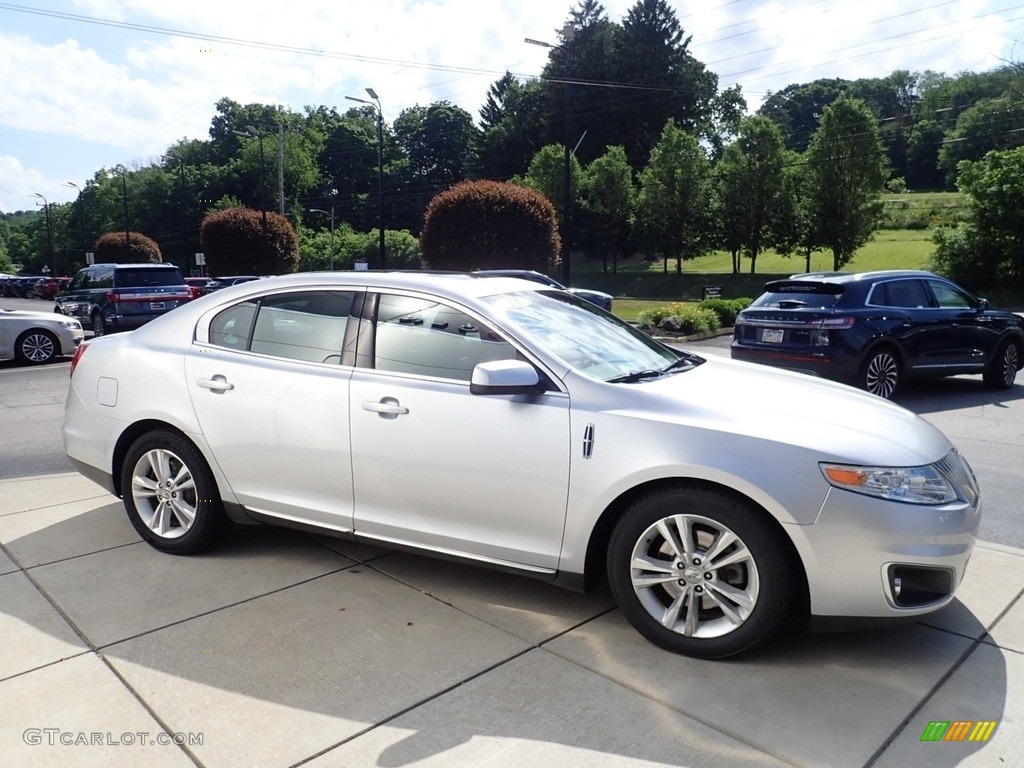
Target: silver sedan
[[37, 337], [507, 424]]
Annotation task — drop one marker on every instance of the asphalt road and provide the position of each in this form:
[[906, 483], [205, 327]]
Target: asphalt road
[[987, 426]]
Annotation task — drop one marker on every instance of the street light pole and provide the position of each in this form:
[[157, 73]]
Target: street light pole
[[331, 212], [49, 233], [251, 132], [380, 168], [568, 32]]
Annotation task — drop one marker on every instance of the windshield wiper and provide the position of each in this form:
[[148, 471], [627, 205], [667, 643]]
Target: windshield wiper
[[635, 376], [684, 361]]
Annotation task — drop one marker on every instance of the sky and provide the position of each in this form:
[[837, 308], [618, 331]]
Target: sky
[[90, 84]]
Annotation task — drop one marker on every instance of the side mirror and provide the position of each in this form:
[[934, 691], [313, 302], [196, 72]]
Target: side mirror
[[982, 305], [505, 377]]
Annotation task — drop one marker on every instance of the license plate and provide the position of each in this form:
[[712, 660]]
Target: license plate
[[160, 305], [770, 336]]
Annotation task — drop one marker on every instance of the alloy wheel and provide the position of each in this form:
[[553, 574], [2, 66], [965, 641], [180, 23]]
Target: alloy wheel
[[694, 576], [164, 493], [881, 375], [1010, 363], [38, 347]]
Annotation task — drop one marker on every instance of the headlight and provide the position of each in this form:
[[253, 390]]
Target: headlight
[[913, 485], [72, 325]]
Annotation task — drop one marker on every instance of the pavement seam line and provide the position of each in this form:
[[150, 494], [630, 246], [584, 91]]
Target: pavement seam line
[[968, 652]]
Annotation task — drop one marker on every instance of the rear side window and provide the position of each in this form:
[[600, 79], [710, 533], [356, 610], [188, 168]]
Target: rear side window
[[905, 294], [304, 326], [127, 277]]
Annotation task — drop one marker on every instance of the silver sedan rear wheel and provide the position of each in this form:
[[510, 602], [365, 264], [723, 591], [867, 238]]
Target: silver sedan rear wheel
[[170, 494], [701, 572]]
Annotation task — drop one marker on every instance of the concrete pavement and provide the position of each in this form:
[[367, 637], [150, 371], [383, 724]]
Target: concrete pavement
[[282, 649]]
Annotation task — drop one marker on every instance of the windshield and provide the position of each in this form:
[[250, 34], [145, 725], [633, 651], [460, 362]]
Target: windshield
[[593, 342]]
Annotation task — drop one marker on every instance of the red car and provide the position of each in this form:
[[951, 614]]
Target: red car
[[196, 286]]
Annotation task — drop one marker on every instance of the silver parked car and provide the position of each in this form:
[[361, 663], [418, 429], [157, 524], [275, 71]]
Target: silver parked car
[[37, 337], [504, 423]]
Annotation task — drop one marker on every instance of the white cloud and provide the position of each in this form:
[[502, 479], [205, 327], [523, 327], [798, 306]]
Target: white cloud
[[18, 185]]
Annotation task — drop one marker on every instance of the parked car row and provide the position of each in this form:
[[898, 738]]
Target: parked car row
[[32, 286]]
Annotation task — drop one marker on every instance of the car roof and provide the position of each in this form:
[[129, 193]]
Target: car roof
[[454, 285], [852, 277]]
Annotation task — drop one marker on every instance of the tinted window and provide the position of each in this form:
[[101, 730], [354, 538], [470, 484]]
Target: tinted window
[[796, 298], [906, 294], [431, 339], [949, 297], [302, 326], [128, 277], [101, 277]]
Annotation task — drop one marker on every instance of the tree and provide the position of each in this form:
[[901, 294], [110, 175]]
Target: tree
[[847, 173], [437, 144], [675, 200], [753, 187], [652, 54], [512, 127], [989, 250], [988, 124], [490, 225], [546, 174], [127, 248], [233, 242], [606, 205]]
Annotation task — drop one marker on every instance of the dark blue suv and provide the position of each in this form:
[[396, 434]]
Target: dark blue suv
[[121, 297], [874, 329]]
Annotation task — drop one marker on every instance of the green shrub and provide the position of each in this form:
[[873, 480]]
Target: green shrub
[[725, 309], [687, 319], [697, 319]]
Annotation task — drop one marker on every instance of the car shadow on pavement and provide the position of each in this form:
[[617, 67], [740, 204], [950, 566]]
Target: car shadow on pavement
[[281, 646], [958, 392]]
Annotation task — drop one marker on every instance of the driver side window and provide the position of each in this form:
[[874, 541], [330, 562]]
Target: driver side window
[[428, 338]]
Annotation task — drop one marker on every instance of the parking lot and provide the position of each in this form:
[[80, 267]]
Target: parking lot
[[283, 649]]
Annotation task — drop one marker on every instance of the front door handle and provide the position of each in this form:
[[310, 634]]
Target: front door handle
[[387, 407], [218, 384]]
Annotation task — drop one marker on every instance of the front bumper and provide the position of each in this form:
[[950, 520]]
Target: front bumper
[[875, 558]]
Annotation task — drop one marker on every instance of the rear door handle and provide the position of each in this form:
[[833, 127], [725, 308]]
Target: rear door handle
[[387, 407], [218, 384]]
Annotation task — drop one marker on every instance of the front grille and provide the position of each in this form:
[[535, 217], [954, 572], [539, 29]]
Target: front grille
[[957, 472]]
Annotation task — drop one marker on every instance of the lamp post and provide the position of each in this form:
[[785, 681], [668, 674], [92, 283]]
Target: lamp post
[[49, 233], [380, 167], [331, 213], [252, 133], [568, 32]]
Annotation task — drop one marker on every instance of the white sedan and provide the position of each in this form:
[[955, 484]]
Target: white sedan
[[504, 423], [37, 337]]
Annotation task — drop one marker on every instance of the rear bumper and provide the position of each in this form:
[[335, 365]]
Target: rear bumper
[[826, 364]]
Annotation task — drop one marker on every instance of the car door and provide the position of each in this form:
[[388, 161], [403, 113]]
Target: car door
[[483, 476], [916, 321], [970, 335], [270, 393]]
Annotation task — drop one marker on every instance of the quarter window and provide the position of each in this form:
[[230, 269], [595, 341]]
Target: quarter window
[[432, 339]]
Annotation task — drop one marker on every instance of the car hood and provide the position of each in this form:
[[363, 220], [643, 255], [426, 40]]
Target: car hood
[[32, 315], [837, 422]]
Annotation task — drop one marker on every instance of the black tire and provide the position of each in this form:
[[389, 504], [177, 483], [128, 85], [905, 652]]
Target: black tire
[[36, 347], [739, 606], [881, 374], [99, 324], [1002, 371], [170, 494]]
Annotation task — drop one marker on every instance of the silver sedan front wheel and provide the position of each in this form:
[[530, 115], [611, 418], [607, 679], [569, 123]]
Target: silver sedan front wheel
[[36, 347], [170, 494], [701, 572]]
